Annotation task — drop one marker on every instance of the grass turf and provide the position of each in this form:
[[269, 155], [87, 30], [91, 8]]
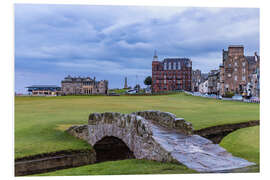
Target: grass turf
[[123, 167], [40, 121], [244, 143]]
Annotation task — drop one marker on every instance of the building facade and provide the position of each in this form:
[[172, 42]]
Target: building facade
[[44, 90], [213, 82], [236, 70], [255, 79], [171, 74], [81, 85], [196, 80], [203, 87]]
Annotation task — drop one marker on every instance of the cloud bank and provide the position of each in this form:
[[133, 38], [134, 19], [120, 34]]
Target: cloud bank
[[111, 42]]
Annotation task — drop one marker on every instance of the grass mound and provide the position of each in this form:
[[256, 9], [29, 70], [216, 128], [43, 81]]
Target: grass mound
[[123, 167], [244, 143]]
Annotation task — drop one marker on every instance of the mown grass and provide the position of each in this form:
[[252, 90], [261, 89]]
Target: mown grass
[[244, 143], [40, 121], [123, 167], [118, 91]]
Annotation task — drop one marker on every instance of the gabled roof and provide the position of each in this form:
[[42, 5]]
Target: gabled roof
[[236, 46], [175, 59]]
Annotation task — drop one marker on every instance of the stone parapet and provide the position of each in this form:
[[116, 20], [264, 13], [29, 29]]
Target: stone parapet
[[168, 120]]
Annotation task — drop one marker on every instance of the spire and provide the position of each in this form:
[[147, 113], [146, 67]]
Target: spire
[[155, 57], [126, 86]]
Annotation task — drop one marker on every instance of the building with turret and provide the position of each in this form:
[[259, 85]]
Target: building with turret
[[83, 85]]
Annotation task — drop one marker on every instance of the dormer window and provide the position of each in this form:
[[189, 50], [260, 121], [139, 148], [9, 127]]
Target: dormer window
[[169, 68], [165, 66], [179, 65], [174, 65]]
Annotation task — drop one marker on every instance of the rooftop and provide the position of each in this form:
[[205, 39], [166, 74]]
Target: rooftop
[[236, 46], [43, 86]]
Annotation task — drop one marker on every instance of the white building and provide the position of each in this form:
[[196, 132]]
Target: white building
[[203, 87]]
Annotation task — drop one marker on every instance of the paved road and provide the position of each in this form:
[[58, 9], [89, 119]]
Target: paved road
[[196, 152]]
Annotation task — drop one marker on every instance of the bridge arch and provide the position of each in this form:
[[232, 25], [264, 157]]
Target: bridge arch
[[133, 130], [111, 148]]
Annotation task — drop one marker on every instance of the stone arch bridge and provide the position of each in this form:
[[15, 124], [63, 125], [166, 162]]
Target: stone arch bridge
[[154, 135]]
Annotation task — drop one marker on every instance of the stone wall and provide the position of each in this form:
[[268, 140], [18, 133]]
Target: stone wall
[[54, 161], [217, 133], [167, 120]]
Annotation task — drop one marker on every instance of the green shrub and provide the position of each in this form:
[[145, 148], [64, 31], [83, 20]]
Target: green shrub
[[229, 94]]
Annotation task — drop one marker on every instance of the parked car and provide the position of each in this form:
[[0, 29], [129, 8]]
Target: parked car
[[205, 95], [197, 94], [213, 96], [131, 91], [237, 97], [219, 97], [255, 99]]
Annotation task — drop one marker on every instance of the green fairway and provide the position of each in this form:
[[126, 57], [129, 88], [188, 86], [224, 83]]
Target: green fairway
[[244, 143], [118, 91], [40, 121], [123, 167]]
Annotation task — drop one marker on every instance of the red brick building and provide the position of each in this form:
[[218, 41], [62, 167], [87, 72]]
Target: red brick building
[[171, 74]]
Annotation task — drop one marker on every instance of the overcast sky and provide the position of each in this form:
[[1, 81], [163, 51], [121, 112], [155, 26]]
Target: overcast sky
[[111, 42]]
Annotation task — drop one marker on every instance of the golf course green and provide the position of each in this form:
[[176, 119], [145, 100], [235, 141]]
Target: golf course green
[[40, 122]]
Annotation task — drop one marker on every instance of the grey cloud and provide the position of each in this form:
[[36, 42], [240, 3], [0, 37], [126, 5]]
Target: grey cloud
[[68, 38]]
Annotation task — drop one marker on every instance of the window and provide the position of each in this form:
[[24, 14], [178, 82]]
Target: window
[[235, 63], [229, 75], [189, 64], [179, 65], [235, 69], [243, 70], [243, 63], [174, 65], [243, 78], [169, 68], [235, 78], [165, 66]]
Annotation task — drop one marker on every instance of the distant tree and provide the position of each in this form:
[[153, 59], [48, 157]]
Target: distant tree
[[148, 81]]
